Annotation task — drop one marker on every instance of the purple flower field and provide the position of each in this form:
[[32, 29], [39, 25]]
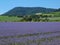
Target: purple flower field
[[29, 33]]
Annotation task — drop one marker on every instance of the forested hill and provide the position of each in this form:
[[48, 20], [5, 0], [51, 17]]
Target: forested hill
[[58, 10], [17, 11]]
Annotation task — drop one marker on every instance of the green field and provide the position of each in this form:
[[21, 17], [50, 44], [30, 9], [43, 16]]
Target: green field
[[9, 19], [20, 19], [54, 19]]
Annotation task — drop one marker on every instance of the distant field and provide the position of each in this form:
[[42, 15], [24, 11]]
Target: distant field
[[54, 19], [18, 19], [9, 19]]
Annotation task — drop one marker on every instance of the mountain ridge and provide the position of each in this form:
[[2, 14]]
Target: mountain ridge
[[18, 11]]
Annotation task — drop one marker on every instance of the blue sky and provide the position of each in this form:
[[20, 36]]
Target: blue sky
[[6, 5]]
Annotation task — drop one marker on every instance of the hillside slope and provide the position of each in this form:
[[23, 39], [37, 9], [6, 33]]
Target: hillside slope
[[18, 11]]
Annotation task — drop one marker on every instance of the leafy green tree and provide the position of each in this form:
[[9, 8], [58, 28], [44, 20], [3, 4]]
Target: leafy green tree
[[46, 17]]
